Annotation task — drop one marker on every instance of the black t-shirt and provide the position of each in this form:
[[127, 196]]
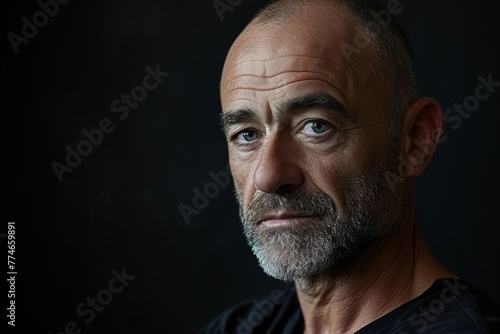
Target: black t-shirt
[[448, 306]]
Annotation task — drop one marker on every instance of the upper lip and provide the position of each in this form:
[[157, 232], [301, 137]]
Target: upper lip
[[284, 215]]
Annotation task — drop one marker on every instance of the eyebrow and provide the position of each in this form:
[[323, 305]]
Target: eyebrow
[[321, 101], [237, 116]]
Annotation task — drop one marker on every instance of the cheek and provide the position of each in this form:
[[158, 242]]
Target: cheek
[[330, 177], [242, 177], [335, 174]]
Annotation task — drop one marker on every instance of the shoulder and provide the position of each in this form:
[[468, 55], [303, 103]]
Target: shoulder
[[448, 306], [264, 314]]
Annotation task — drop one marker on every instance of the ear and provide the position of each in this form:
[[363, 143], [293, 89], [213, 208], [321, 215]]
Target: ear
[[422, 126]]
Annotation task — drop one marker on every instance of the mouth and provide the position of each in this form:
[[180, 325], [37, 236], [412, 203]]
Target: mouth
[[285, 219]]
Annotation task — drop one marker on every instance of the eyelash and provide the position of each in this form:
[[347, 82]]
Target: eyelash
[[327, 124], [234, 138]]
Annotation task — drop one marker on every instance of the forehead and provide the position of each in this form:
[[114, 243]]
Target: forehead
[[309, 51]]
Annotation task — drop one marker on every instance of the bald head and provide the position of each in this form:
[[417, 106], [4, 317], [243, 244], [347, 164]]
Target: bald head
[[376, 35]]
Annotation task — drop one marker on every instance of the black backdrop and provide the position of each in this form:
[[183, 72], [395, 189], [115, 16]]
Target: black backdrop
[[119, 207]]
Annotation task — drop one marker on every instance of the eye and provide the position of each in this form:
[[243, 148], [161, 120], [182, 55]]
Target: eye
[[247, 136], [316, 127]]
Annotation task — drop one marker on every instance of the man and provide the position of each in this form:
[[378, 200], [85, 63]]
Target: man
[[325, 135]]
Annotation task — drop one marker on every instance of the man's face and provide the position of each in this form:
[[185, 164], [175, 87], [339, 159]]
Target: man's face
[[308, 145]]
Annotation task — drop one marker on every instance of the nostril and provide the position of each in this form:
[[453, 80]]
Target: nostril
[[287, 189]]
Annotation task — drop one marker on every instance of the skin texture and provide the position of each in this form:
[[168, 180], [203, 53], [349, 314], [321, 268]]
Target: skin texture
[[272, 64]]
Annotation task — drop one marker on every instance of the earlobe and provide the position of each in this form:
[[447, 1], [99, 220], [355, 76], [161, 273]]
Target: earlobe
[[422, 127]]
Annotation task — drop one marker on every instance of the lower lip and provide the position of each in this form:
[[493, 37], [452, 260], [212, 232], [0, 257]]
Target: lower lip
[[287, 222]]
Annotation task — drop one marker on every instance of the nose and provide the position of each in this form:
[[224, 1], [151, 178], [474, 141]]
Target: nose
[[277, 168]]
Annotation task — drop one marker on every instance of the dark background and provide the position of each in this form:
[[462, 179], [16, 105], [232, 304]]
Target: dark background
[[119, 208]]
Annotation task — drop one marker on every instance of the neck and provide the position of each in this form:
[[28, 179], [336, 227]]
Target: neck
[[345, 302]]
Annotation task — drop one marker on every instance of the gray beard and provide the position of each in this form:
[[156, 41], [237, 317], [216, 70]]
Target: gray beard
[[333, 241]]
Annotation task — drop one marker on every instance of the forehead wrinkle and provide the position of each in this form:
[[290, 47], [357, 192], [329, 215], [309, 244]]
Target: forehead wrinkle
[[275, 75], [259, 81], [298, 56], [282, 83], [259, 69], [242, 99], [262, 65]]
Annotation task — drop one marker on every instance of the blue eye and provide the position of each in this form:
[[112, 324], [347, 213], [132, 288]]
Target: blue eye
[[247, 136], [316, 127]]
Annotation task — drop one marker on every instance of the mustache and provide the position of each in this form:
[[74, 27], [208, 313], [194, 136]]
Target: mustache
[[295, 203]]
